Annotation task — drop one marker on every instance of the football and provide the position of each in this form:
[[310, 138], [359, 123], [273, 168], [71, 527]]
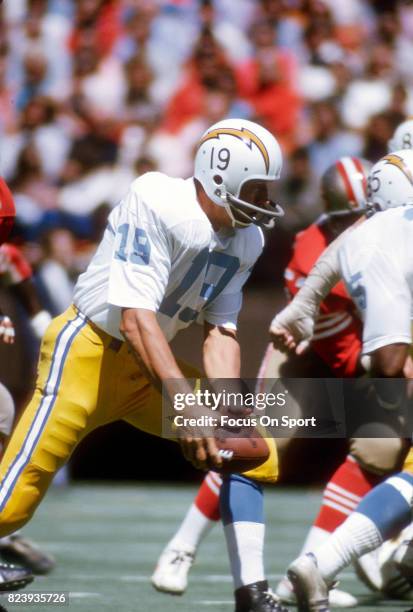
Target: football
[[241, 449]]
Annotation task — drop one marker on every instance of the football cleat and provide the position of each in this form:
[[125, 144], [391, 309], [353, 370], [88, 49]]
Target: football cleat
[[13, 578], [396, 566], [336, 597], [257, 597], [310, 587], [15, 549], [172, 569]]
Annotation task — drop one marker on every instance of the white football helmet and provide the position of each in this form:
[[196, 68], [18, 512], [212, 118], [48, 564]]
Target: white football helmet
[[390, 182], [231, 153], [402, 137]]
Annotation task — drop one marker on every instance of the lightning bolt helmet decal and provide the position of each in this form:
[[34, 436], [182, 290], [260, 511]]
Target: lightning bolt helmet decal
[[243, 134]]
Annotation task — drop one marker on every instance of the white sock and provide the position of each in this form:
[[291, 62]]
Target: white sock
[[315, 537], [192, 530], [355, 537], [245, 543]]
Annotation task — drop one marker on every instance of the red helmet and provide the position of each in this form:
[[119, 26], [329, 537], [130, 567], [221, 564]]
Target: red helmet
[[344, 186], [7, 211]]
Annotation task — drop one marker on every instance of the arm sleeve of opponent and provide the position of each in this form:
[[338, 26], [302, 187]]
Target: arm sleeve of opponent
[[382, 296], [141, 258]]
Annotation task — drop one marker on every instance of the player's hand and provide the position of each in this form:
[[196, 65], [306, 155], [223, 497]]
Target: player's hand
[[291, 330], [7, 332], [285, 342], [198, 444]]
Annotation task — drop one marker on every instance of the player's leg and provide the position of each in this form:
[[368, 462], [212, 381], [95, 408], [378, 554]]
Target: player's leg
[[15, 548], [380, 515], [171, 572], [369, 461], [73, 367], [242, 510]]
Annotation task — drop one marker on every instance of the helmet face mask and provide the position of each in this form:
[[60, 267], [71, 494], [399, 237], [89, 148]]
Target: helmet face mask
[[254, 205], [235, 163]]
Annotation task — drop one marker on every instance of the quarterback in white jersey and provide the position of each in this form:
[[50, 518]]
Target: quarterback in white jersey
[[174, 251]]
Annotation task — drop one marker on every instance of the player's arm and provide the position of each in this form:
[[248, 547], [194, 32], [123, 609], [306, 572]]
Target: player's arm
[[389, 361], [140, 328], [293, 327], [221, 352]]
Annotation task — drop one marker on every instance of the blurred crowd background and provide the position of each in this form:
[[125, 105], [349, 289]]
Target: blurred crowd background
[[96, 92]]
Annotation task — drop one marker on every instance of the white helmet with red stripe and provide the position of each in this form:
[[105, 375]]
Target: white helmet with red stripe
[[402, 137], [390, 182], [344, 186]]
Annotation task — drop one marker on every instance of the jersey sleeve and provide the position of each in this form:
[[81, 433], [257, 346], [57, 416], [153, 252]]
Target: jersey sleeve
[[382, 295], [141, 257], [224, 309]]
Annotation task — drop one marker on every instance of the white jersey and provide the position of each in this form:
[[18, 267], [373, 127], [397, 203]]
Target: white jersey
[[376, 261], [160, 252]]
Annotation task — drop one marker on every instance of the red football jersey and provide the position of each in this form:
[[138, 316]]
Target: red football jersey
[[14, 268], [7, 211], [338, 329]]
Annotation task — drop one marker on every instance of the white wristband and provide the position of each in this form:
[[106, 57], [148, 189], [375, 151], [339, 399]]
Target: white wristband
[[40, 322]]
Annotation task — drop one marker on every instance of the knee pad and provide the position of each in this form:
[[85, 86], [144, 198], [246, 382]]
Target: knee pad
[[379, 456]]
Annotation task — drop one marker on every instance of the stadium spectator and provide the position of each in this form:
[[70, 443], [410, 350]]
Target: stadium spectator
[[54, 274], [329, 139]]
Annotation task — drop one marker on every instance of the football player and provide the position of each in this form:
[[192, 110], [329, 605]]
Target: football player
[[376, 264], [174, 251]]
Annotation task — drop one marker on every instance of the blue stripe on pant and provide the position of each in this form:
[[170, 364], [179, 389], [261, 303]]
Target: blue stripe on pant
[[63, 343]]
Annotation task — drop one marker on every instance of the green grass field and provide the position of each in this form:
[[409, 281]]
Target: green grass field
[[107, 540]]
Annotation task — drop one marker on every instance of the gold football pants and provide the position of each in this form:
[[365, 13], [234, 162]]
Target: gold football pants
[[86, 378]]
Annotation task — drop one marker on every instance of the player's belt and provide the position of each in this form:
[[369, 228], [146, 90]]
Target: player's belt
[[110, 342]]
